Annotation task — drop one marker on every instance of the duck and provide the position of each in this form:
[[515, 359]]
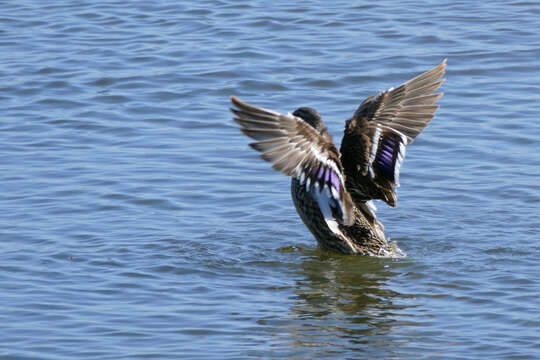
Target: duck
[[333, 190]]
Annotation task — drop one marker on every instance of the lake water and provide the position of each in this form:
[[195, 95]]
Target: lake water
[[135, 222]]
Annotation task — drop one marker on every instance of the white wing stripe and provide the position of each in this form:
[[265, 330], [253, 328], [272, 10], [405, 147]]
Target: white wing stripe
[[324, 205], [374, 144]]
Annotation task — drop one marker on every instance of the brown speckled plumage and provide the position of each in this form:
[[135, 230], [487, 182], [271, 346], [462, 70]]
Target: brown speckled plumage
[[331, 188], [361, 238]]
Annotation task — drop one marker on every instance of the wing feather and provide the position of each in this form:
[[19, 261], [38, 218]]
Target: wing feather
[[299, 150], [375, 137]]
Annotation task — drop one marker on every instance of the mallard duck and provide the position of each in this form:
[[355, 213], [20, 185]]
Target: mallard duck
[[333, 190]]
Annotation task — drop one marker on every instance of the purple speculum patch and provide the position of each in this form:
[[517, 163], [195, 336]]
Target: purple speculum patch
[[385, 158], [328, 176]]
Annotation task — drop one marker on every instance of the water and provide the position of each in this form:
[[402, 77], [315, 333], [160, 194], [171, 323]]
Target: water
[[136, 223]]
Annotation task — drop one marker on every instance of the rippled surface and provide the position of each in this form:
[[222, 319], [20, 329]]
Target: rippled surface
[[136, 223]]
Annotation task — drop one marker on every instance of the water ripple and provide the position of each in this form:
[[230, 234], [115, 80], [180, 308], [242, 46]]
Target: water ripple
[[136, 221]]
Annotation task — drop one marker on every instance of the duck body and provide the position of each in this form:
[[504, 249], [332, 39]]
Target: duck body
[[362, 237], [333, 189]]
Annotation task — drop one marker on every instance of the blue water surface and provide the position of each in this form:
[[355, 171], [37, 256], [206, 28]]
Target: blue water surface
[[135, 222]]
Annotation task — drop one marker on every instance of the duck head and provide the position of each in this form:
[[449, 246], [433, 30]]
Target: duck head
[[311, 116]]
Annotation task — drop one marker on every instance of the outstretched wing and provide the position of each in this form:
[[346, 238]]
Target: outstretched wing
[[299, 150], [373, 146]]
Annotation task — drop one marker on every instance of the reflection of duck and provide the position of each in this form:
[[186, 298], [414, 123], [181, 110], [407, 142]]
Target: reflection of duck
[[332, 189], [345, 304]]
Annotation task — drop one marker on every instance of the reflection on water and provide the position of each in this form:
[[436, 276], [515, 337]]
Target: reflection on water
[[344, 299]]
